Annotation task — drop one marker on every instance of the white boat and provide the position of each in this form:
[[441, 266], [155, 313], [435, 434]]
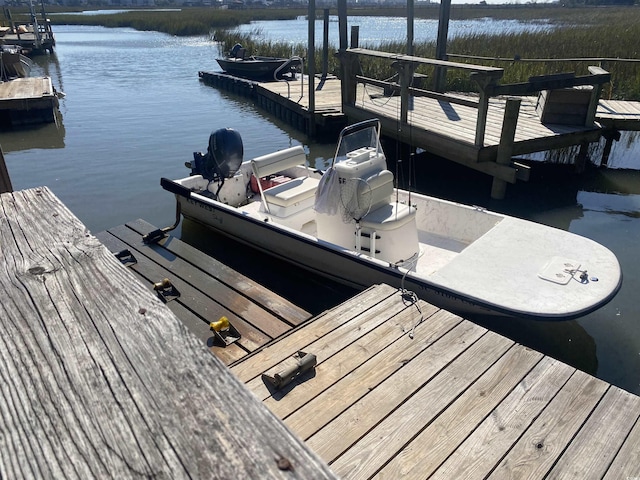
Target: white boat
[[351, 224]]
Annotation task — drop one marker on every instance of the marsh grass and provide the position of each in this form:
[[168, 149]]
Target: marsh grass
[[582, 32], [183, 22]]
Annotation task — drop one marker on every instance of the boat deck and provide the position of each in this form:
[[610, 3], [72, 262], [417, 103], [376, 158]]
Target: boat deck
[[403, 389], [435, 250]]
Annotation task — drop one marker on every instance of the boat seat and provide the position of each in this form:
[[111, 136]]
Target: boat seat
[[381, 187], [287, 198], [391, 232], [291, 192], [388, 217]]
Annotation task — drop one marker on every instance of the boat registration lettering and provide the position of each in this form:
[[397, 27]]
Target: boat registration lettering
[[214, 217]]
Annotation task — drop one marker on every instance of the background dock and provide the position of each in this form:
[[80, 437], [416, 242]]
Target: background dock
[[491, 131], [25, 101]]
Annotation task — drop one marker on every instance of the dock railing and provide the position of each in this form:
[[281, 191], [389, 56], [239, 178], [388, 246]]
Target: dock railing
[[405, 65], [485, 77]]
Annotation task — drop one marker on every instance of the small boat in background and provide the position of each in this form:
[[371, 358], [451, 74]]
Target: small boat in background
[[256, 67], [13, 64]]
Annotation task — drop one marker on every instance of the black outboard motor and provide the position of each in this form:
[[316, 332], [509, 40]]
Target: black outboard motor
[[223, 157], [234, 50]]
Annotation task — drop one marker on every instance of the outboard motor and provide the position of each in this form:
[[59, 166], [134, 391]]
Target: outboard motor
[[223, 157], [234, 50]]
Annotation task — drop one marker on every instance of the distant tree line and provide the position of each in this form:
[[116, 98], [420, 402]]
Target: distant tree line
[[577, 3]]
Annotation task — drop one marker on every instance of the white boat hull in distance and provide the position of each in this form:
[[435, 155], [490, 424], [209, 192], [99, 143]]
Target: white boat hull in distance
[[352, 225]]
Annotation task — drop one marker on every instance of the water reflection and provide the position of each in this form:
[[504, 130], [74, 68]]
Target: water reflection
[[44, 136]]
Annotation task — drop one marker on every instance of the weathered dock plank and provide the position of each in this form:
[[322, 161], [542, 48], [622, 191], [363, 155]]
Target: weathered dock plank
[[289, 101], [208, 290], [619, 114], [27, 101], [101, 380], [422, 393]]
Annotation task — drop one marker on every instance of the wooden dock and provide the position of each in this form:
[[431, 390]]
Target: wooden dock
[[101, 380], [289, 101], [403, 389], [25, 101], [488, 131], [619, 114], [208, 290]]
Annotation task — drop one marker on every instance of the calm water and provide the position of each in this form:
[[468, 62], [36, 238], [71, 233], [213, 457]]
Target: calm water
[[135, 111], [390, 29]]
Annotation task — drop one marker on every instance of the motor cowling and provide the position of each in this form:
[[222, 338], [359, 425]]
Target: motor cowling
[[223, 158]]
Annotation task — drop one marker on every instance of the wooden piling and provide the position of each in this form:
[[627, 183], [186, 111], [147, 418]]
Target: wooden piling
[[505, 148], [5, 180]]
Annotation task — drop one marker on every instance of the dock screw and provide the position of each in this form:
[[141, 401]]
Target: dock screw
[[284, 464]]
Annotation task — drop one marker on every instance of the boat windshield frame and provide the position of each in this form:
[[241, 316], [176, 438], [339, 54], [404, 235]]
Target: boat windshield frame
[[364, 134]]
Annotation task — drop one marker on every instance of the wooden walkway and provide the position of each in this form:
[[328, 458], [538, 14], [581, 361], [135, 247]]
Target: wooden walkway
[[27, 101], [439, 126], [208, 290], [101, 380], [406, 390], [619, 114], [449, 130]]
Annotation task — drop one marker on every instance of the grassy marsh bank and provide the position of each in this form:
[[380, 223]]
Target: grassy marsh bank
[[582, 33]]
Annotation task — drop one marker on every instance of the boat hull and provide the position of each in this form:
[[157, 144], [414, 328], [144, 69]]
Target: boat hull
[[340, 264], [254, 68]]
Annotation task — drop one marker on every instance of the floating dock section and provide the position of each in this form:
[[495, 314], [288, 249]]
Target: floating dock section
[[288, 101], [26, 101]]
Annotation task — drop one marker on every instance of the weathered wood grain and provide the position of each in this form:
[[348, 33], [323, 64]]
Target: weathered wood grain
[[190, 307], [627, 461], [360, 381], [389, 436], [328, 346], [202, 287], [298, 339], [593, 449], [382, 400], [543, 443], [287, 311], [436, 442], [454, 401], [97, 377]]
